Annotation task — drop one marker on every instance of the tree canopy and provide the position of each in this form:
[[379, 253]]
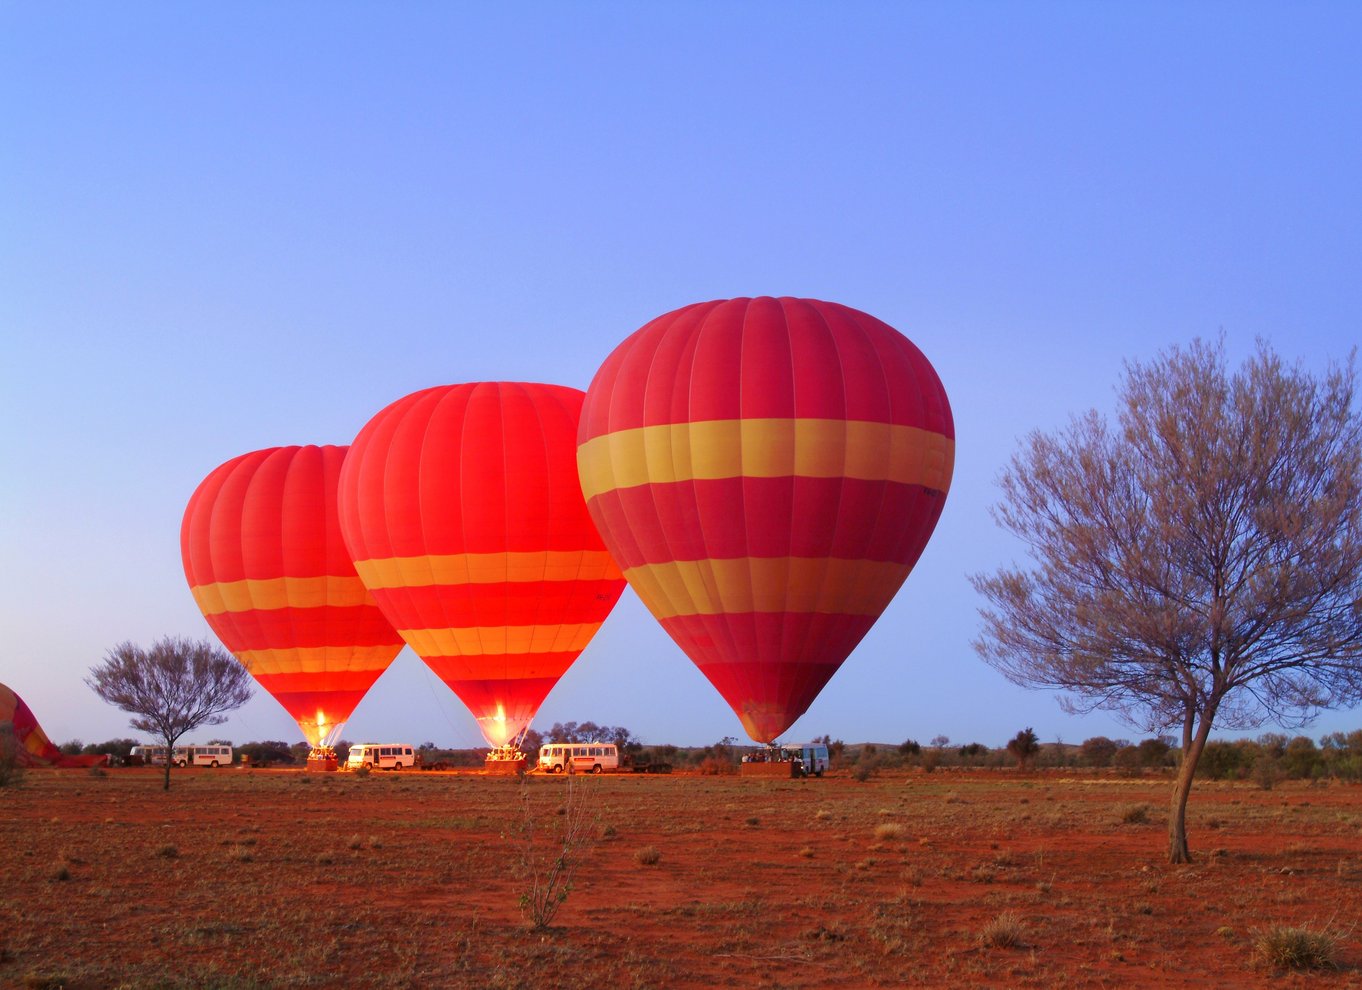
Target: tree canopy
[[172, 688], [1198, 561]]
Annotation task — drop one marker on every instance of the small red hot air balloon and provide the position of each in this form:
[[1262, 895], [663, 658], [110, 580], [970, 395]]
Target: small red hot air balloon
[[462, 511], [33, 748], [265, 560], [766, 472]]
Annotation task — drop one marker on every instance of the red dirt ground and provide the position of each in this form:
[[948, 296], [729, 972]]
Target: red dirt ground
[[281, 879]]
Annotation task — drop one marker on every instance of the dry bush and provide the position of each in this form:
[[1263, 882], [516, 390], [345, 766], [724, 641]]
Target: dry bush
[[168, 851], [806, 852], [888, 830], [1135, 814], [549, 855], [648, 856], [1003, 932], [1286, 947]]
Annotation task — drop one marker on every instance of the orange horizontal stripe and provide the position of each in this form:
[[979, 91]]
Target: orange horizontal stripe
[[500, 640], [283, 592], [318, 659], [487, 568], [765, 448], [767, 584], [454, 670]]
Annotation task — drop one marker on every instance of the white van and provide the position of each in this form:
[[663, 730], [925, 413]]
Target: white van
[[381, 756], [579, 757], [148, 755], [203, 756], [813, 755]]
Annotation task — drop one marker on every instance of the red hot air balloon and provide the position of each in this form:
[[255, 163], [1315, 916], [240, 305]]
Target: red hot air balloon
[[266, 563], [766, 472], [32, 746], [461, 508]]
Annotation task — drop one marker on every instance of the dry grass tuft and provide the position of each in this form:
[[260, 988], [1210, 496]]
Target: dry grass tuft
[[888, 830], [1003, 932], [1285, 947], [1135, 814], [648, 856]]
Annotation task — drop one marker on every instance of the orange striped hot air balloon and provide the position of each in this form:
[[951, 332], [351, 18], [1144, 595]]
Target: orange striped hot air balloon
[[461, 508], [766, 472], [266, 563], [33, 748]]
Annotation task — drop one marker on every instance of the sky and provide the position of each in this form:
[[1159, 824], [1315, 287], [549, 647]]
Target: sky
[[228, 227]]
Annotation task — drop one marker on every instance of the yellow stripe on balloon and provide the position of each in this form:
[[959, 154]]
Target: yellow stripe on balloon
[[488, 568], [500, 640], [765, 448], [317, 659], [284, 592], [767, 584]]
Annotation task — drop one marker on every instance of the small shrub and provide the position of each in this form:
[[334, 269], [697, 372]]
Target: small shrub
[[863, 772], [822, 814], [98, 771], [241, 854], [608, 832], [355, 842], [60, 871], [1003, 932], [888, 830], [753, 821], [360, 772], [325, 859], [46, 981], [1284, 947], [806, 852], [168, 852], [648, 856], [1135, 814]]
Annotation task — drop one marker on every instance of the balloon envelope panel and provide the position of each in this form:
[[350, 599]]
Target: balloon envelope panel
[[265, 560], [766, 472], [33, 747], [462, 510]]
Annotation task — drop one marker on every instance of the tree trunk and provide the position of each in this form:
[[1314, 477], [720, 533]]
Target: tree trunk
[[1192, 748], [167, 783]]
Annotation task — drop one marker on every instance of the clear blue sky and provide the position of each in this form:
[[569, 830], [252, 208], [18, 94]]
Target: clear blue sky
[[226, 227]]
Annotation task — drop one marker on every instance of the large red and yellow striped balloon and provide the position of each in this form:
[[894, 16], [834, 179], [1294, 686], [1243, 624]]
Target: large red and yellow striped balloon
[[264, 557], [461, 508], [766, 472]]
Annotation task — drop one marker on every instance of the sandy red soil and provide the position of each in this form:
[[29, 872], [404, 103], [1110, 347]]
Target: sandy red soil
[[279, 879]]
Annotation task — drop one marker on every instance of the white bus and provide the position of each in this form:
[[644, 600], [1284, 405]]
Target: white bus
[[381, 756], [184, 756], [148, 755], [579, 757], [214, 756]]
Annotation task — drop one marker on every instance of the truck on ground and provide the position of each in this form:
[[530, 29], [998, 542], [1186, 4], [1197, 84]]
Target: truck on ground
[[593, 757]]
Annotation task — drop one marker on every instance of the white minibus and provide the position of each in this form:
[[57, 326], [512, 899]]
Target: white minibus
[[203, 756], [579, 757], [381, 756]]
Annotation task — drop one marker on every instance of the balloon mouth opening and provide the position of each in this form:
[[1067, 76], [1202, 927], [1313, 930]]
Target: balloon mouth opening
[[321, 731], [502, 731]]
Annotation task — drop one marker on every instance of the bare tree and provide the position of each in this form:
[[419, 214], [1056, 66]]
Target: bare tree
[[172, 688], [1198, 563]]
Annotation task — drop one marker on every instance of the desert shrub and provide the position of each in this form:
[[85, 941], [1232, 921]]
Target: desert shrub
[[910, 747], [713, 766], [1135, 814], [1003, 932], [888, 830], [97, 771], [1222, 760], [360, 771], [1023, 746], [1267, 770], [1154, 752], [1097, 751], [549, 853], [806, 852], [262, 754], [864, 769], [1127, 759], [1283, 947], [1302, 760], [931, 759], [168, 852], [60, 870], [648, 856], [11, 770]]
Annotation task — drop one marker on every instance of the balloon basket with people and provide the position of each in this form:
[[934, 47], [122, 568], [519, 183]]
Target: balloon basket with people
[[322, 759], [507, 759]]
